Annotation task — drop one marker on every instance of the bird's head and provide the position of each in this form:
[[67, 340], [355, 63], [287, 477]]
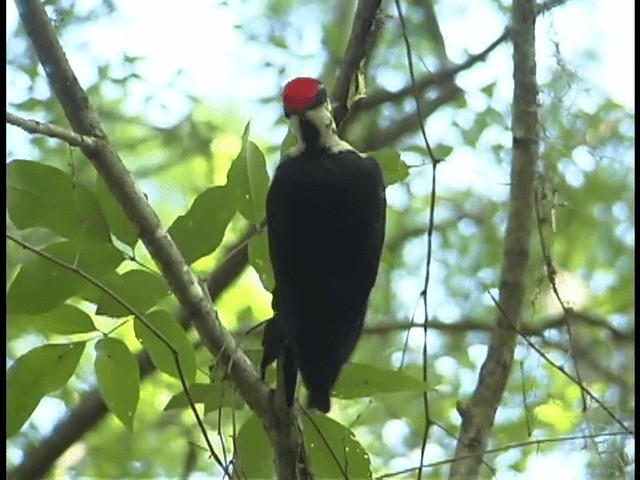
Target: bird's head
[[303, 94], [308, 109]]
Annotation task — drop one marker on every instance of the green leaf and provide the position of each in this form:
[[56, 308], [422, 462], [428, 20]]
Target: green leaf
[[199, 231], [162, 357], [42, 285], [323, 435], [260, 260], [40, 195], [213, 395], [140, 289], [249, 181], [359, 380], [64, 319], [21, 403], [394, 169], [118, 378], [440, 152], [35, 374], [120, 226], [200, 392], [253, 455], [489, 89]]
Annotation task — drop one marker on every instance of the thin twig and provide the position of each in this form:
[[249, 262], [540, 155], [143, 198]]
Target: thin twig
[[527, 443], [561, 369], [424, 293], [523, 392], [551, 271], [51, 130]]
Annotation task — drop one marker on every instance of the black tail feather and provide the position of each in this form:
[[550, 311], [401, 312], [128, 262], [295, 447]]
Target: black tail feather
[[273, 341], [275, 346], [290, 375], [319, 399]]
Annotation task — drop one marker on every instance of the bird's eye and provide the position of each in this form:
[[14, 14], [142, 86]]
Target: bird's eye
[[321, 97], [286, 113]]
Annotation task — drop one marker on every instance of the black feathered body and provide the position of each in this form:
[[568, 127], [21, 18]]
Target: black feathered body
[[326, 220]]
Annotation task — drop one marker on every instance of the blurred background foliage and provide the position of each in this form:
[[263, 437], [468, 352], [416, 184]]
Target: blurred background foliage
[[178, 140]]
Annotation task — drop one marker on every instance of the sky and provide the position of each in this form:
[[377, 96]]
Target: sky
[[216, 63]]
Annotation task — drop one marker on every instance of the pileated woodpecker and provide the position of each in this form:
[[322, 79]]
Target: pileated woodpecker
[[326, 222]]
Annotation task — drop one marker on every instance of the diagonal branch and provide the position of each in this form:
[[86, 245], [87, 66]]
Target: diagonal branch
[[440, 77], [563, 371], [443, 76], [410, 122], [184, 284]]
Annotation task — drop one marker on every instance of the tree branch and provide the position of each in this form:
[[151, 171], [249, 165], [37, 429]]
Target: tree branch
[[363, 32], [410, 122], [183, 282], [440, 77], [161, 247], [443, 77], [533, 329], [478, 415], [51, 130]]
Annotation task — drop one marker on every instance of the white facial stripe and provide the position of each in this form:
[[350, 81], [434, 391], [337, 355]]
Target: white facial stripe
[[322, 118]]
